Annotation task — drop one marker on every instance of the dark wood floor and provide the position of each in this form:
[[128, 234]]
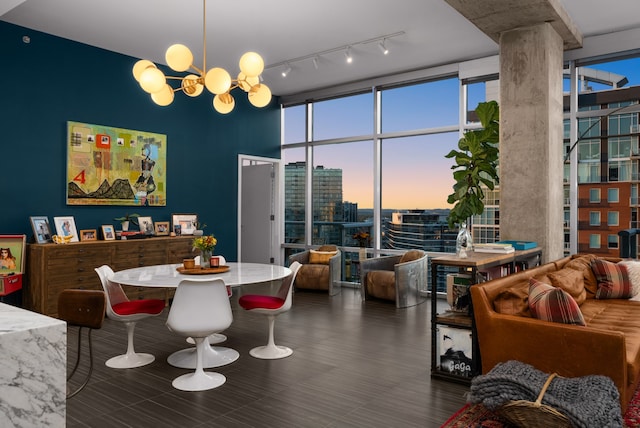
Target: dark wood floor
[[354, 365]]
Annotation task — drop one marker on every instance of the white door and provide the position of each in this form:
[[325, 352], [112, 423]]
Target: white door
[[258, 240]]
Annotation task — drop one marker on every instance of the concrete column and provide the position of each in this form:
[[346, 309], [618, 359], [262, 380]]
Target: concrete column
[[531, 162]]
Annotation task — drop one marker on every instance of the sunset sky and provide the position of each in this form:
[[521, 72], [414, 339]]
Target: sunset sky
[[415, 173]]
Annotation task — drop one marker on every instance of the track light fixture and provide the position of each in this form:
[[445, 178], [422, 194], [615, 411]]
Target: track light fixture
[[315, 62], [383, 46], [286, 71], [347, 55]]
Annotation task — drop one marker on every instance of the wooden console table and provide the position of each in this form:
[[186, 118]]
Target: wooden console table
[[52, 268]]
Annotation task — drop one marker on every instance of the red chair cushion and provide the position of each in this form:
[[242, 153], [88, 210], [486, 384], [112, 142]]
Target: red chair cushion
[[257, 301], [144, 306]]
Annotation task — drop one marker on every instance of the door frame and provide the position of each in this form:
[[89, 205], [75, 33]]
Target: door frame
[[278, 222]]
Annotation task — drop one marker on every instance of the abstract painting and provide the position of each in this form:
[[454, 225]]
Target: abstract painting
[[115, 166]]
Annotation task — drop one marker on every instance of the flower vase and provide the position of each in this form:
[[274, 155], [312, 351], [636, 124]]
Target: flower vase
[[205, 259], [464, 241], [362, 254]]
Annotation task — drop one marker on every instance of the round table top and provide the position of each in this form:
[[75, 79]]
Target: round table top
[[167, 275]]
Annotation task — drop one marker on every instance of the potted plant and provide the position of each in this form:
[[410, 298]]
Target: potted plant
[[199, 228], [124, 220], [476, 165]]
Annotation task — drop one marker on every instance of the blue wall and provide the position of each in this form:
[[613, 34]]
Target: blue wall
[[51, 80]]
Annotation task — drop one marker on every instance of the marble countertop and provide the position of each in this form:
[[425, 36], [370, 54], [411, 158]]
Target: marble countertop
[[13, 319]]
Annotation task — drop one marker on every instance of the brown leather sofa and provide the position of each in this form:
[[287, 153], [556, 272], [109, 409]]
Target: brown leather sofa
[[320, 270], [608, 345], [401, 279]]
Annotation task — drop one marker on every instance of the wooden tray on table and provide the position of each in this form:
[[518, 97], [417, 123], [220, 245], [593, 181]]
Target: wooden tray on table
[[198, 270]]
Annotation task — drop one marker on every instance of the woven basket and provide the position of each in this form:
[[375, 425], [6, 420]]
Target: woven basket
[[527, 414]]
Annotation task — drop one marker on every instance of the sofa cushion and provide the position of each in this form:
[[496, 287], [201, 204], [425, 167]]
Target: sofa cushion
[[321, 257], [513, 300], [613, 280], [633, 267], [583, 264], [571, 281], [619, 315], [411, 255], [550, 303], [381, 284], [315, 277]]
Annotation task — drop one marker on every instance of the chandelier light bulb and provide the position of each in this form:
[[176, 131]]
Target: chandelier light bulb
[[246, 83], [260, 95], [224, 103], [191, 85], [152, 80], [217, 80], [140, 66], [179, 57], [251, 64], [164, 97]]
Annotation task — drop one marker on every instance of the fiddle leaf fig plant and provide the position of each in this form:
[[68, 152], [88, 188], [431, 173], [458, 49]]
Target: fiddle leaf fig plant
[[476, 164]]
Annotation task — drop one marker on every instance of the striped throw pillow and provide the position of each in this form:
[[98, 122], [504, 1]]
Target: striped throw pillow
[[613, 280], [553, 304]]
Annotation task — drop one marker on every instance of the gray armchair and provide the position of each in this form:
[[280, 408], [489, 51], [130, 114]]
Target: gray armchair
[[397, 278], [321, 269]]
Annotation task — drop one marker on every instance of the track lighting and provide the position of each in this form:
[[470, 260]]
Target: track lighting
[[380, 41], [383, 46]]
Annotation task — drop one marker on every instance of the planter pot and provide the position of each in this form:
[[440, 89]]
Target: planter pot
[[125, 226]]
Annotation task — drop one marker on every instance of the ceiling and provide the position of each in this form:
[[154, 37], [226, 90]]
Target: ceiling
[[431, 32]]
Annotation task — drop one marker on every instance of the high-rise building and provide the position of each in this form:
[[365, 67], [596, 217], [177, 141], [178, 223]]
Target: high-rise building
[[608, 158], [328, 207]]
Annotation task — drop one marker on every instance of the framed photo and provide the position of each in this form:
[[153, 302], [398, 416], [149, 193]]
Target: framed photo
[[41, 229], [89, 235], [187, 223], [146, 225], [454, 351], [162, 228], [108, 233], [66, 226], [12, 249]]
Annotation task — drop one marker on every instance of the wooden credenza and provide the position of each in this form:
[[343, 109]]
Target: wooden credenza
[[52, 268]]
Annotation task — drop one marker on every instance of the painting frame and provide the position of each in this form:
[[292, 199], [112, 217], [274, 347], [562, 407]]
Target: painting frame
[[145, 224], [41, 229], [108, 232], [186, 222], [66, 226], [107, 165], [162, 228], [16, 245], [88, 235]]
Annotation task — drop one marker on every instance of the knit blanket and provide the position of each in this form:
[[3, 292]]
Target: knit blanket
[[588, 401]]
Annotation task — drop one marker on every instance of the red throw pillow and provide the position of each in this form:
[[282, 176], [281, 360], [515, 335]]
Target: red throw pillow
[[549, 303], [613, 280]]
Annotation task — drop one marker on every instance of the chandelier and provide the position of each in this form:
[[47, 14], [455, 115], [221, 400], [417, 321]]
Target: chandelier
[[217, 80]]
